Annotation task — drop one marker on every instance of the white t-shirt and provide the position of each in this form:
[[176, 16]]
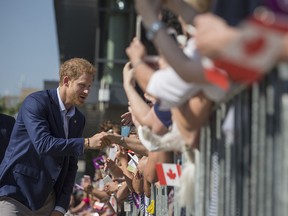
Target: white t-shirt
[[172, 91]]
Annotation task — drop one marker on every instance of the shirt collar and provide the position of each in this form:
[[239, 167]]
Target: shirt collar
[[70, 112]]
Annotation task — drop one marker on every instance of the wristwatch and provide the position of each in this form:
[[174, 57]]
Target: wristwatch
[[153, 29]]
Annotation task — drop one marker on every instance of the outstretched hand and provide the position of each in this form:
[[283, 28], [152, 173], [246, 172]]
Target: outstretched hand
[[126, 119], [99, 141], [213, 34], [128, 76], [135, 51]]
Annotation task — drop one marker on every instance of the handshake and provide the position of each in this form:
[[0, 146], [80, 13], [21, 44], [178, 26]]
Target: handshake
[[98, 141], [101, 140]]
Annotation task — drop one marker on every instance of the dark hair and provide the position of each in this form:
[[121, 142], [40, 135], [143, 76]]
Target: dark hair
[[109, 125], [171, 21]]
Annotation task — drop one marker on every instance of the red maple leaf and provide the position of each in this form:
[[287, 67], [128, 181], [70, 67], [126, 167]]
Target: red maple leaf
[[171, 174], [254, 45]]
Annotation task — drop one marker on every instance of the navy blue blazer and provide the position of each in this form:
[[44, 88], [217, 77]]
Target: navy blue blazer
[[39, 158], [6, 125]]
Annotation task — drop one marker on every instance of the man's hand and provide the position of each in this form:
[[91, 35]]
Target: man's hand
[[98, 141], [56, 213]]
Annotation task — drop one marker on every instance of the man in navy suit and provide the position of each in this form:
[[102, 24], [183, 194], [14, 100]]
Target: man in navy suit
[[6, 125], [38, 170]]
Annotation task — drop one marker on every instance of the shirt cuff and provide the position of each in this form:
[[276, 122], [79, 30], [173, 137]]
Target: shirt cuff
[[60, 209]]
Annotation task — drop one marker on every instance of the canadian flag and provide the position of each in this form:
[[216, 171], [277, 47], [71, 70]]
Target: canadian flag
[[215, 75], [168, 174], [254, 52]]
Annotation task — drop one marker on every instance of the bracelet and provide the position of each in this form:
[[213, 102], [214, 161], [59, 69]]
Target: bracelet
[[153, 29], [87, 142], [138, 62]]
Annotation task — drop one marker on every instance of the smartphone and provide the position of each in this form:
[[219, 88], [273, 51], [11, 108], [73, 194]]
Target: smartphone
[[113, 152], [141, 35], [125, 130], [107, 179], [138, 27]]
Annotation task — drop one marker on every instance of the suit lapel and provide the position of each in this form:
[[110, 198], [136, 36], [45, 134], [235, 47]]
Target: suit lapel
[[56, 110]]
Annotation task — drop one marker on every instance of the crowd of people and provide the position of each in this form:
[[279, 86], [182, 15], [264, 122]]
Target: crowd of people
[[178, 89], [118, 180]]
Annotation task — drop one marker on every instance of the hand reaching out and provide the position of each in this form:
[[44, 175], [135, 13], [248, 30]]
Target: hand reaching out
[[98, 141], [213, 34], [128, 76], [136, 51], [126, 119]]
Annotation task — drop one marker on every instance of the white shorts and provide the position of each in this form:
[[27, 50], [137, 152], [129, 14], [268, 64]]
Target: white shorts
[[172, 91]]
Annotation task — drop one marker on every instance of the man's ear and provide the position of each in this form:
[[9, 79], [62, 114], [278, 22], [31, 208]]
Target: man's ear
[[66, 81]]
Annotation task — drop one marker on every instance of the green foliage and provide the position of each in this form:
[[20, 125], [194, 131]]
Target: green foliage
[[9, 111], [2, 105]]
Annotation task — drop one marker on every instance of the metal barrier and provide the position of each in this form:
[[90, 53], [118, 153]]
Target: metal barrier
[[242, 169]]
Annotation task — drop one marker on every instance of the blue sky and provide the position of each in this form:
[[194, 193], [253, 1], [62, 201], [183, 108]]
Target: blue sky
[[28, 45]]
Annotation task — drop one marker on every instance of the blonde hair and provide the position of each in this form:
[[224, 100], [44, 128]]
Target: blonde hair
[[75, 67], [200, 5]]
